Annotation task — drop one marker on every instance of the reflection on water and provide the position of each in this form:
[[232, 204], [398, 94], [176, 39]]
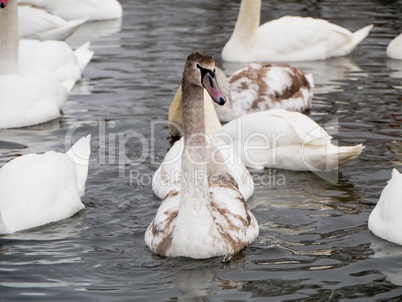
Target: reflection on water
[[396, 67], [314, 243]]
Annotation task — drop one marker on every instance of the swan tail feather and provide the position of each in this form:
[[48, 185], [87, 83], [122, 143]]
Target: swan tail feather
[[346, 154], [79, 154], [357, 37], [84, 55], [63, 32]]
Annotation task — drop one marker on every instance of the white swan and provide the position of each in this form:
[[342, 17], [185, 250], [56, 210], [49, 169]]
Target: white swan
[[287, 39], [208, 216], [274, 138], [36, 23], [36, 189], [256, 87], [25, 99], [394, 48], [53, 59], [385, 219], [284, 140], [75, 9]]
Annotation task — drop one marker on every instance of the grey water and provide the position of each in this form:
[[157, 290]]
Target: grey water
[[314, 244]]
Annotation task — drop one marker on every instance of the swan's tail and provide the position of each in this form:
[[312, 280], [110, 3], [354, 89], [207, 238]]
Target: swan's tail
[[361, 34], [310, 79], [84, 55], [63, 32], [79, 154], [346, 154], [358, 36]]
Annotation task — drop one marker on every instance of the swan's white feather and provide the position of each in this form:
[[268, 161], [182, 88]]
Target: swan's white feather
[[76, 9], [36, 189], [35, 23], [385, 219], [292, 38]]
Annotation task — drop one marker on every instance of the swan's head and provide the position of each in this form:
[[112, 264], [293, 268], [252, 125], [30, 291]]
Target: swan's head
[[200, 70], [3, 3]]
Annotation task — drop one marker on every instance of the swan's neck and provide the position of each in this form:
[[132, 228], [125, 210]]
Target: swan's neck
[[196, 154], [248, 20], [212, 123], [9, 38]]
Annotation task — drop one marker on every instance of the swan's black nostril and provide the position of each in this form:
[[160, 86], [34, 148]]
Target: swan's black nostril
[[211, 83]]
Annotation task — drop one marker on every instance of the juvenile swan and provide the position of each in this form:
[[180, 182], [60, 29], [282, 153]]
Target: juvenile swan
[[207, 216]]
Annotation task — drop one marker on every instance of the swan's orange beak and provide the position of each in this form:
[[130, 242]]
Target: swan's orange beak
[[3, 3], [208, 80]]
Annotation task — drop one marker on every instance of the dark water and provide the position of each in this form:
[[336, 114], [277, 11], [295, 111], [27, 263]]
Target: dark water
[[314, 244]]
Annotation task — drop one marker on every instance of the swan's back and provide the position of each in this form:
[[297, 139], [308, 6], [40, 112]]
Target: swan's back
[[37, 189], [385, 219], [259, 87], [29, 100], [229, 227]]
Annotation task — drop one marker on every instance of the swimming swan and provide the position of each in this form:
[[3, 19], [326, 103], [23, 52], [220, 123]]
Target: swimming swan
[[25, 99], [385, 219], [207, 216], [36, 189], [287, 39]]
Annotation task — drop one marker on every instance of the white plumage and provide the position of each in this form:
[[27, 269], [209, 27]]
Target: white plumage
[[27, 97], [394, 48], [36, 23], [385, 219], [76, 9], [53, 59], [285, 140], [36, 189], [287, 39]]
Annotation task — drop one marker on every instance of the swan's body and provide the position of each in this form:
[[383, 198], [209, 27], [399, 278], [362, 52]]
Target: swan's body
[[36, 189], [77, 9], [287, 39], [29, 100], [394, 48], [207, 216], [385, 219], [35, 23], [25, 99], [168, 177], [285, 140], [274, 138], [54, 59]]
